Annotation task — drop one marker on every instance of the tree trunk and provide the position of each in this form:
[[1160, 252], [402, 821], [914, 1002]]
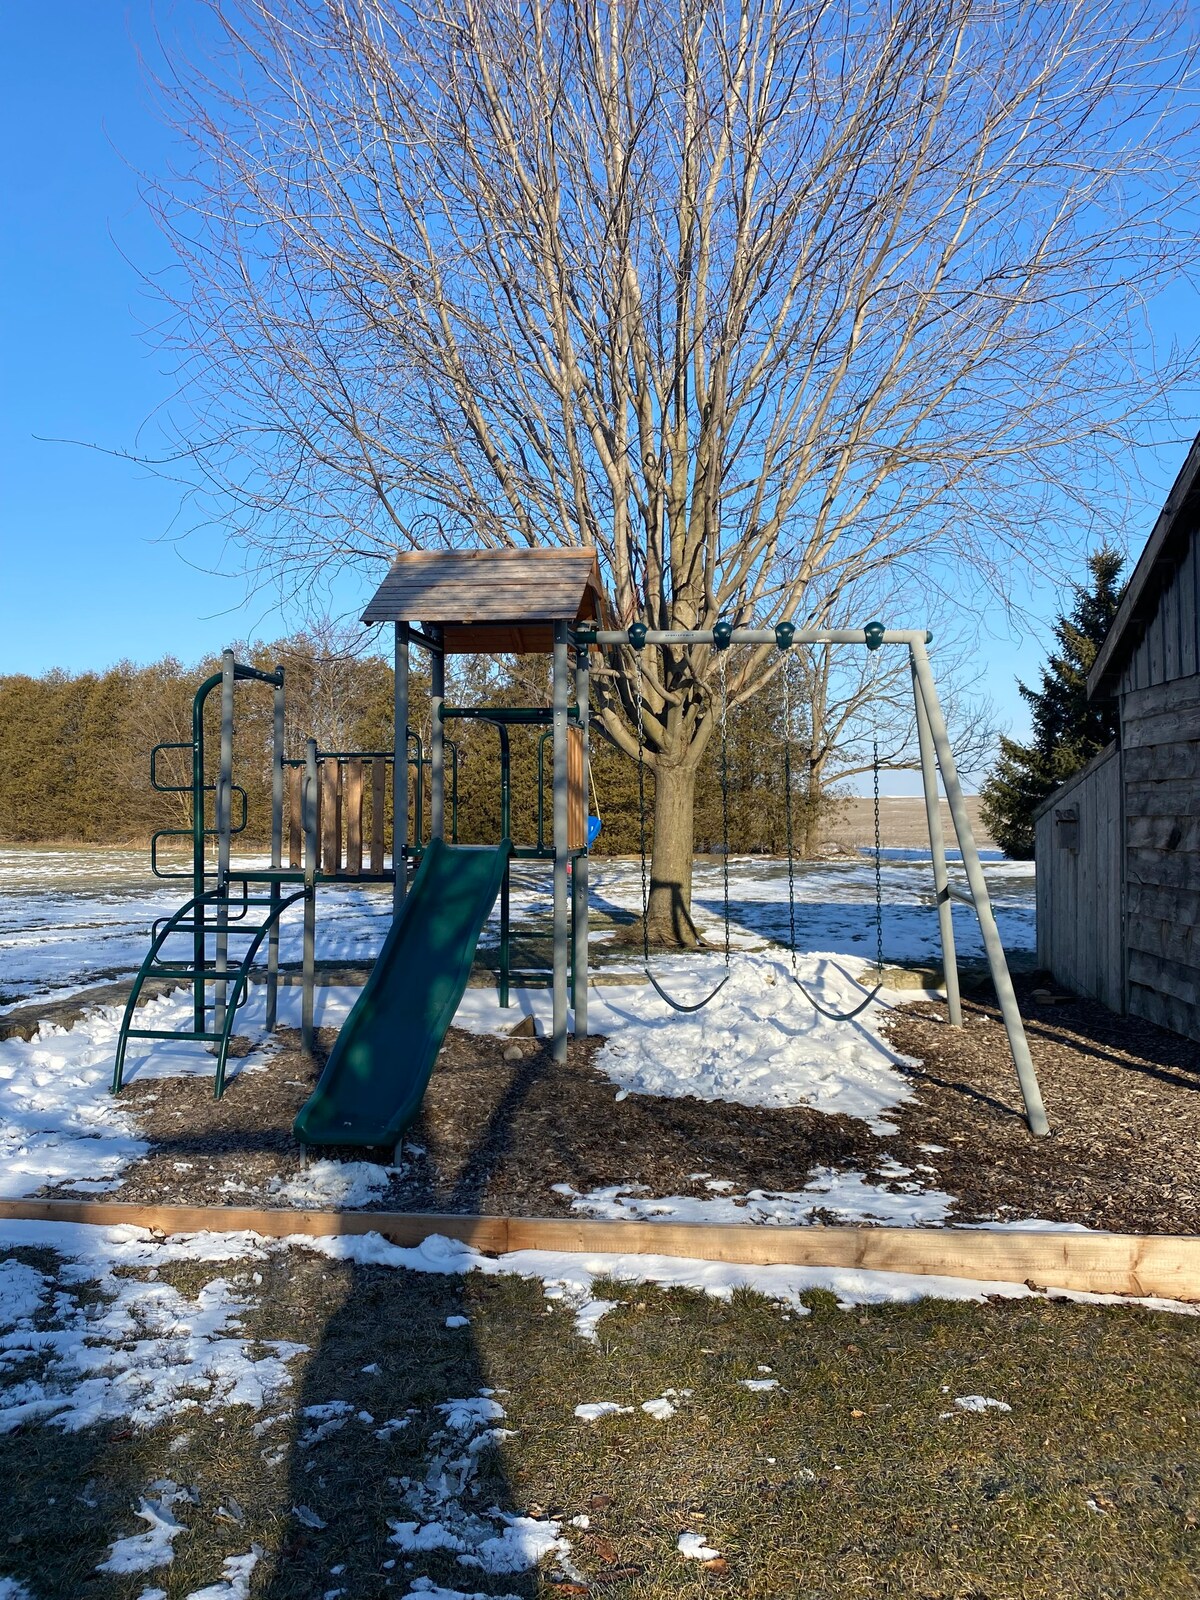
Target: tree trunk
[[814, 807], [670, 914]]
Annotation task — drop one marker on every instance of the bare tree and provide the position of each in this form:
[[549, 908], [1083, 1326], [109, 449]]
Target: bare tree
[[760, 297]]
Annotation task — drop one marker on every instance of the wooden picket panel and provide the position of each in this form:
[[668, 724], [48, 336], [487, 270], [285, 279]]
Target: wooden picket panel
[[378, 794], [331, 816], [1162, 1265], [352, 806]]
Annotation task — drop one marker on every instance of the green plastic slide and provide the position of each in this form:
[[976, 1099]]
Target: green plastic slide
[[377, 1073]]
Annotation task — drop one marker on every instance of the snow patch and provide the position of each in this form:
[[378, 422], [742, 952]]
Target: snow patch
[[144, 1352], [234, 1583], [593, 1410], [889, 1197], [759, 1043], [140, 1552], [980, 1402], [332, 1186], [692, 1546]]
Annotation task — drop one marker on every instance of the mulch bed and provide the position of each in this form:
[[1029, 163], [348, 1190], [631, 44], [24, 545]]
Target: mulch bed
[[1123, 1099], [1122, 1096]]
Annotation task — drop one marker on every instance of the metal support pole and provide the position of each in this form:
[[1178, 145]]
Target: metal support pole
[[224, 837], [437, 743], [506, 881], [400, 772], [937, 849], [1035, 1111], [277, 738], [579, 871], [311, 858], [560, 693]]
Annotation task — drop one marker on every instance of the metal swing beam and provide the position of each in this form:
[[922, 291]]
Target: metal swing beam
[[937, 757]]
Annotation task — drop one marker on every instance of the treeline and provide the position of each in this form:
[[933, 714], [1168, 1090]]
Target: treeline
[[75, 749]]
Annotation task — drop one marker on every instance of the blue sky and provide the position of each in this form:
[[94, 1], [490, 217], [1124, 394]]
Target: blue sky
[[90, 569]]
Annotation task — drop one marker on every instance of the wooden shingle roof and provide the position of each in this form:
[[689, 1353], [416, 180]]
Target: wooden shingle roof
[[489, 601], [1156, 568]]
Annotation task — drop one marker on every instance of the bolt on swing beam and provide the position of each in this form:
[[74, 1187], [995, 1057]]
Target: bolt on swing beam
[[671, 636]]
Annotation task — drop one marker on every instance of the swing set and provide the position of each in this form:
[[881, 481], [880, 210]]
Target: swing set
[[721, 639], [936, 758]]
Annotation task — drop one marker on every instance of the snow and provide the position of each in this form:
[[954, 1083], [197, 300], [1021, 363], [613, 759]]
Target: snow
[[692, 1546], [570, 1277], [147, 1353], [659, 1409], [458, 1322], [980, 1402], [327, 1419], [332, 1186], [426, 1589], [444, 1518], [22, 1290], [144, 1352], [10, 1589], [140, 1552], [593, 1410], [759, 1385], [69, 918], [759, 1043], [235, 1578], [847, 1195]]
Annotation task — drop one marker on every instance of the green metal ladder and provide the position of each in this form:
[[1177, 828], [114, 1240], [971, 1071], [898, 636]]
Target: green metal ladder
[[215, 913]]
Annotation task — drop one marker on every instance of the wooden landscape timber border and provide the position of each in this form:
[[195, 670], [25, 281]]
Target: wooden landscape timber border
[[1163, 1265]]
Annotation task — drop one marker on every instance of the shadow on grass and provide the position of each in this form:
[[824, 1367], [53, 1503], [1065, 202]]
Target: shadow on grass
[[393, 1429]]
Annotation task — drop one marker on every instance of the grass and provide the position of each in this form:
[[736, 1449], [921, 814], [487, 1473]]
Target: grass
[[845, 1481]]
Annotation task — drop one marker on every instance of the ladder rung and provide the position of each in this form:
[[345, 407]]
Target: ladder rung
[[165, 1033]]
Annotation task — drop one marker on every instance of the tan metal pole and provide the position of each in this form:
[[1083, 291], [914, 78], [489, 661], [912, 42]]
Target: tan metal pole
[[1035, 1111]]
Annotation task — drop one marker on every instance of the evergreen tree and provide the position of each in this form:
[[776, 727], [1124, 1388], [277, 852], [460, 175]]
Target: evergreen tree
[[1068, 729]]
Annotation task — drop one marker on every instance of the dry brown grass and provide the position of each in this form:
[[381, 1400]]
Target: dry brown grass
[[845, 1481]]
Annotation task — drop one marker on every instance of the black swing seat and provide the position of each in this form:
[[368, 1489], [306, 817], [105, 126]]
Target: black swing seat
[[677, 1005], [827, 1011]]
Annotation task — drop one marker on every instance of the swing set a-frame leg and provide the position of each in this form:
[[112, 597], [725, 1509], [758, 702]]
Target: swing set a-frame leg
[[937, 850], [1035, 1111]]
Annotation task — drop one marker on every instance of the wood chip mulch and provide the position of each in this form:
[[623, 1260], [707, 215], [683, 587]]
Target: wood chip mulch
[[495, 1135], [1122, 1097]]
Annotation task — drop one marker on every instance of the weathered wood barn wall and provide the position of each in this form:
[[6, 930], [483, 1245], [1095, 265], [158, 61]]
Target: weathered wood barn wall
[[1078, 849], [1119, 846]]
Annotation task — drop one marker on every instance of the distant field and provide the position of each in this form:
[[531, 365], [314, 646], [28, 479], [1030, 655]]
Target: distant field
[[902, 823]]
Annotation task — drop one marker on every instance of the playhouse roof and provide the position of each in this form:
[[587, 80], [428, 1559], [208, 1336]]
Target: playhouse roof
[[491, 600]]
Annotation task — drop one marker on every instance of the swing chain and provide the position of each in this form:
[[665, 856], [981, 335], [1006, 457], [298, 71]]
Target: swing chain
[[725, 795], [878, 864], [878, 839], [787, 807], [641, 733]]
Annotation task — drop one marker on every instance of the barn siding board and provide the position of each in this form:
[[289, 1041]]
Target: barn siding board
[[1166, 1011], [1168, 608], [1161, 759], [1079, 891], [1171, 798], [1174, 978], [1159, 762], [1155, 698], [1189, 659]]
